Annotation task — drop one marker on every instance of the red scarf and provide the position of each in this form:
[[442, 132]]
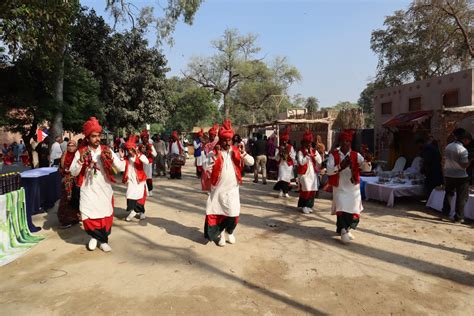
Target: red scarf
[[312, 155], [106, 162]]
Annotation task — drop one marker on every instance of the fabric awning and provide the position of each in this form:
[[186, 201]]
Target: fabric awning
[[410, 118]]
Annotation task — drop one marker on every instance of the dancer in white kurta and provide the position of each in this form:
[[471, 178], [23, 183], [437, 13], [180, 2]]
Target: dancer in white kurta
[[135, 178], [150, 153], [285, 156], [223, 204], [94, 167], [309, 162], [343, 168]]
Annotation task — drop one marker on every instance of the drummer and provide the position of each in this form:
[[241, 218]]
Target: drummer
[[175, 150]]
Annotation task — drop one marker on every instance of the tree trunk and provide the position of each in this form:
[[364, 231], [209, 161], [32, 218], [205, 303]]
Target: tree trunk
[[59, 98], [226, 106]]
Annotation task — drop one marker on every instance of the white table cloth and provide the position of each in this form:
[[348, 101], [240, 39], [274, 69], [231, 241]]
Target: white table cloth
[[436, 202], [36, 173], [388, 192]]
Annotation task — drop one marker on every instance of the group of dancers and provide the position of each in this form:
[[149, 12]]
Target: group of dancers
[[220, 164]]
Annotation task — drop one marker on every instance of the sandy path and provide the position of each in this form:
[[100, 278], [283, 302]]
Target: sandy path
[[403, 261]]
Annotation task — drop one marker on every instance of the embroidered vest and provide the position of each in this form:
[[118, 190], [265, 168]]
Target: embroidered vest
[[197, 152], [141, 175], [334, 179], [236, 161], [109, 173]]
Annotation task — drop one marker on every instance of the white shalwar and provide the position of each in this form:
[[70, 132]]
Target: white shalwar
[[96, 190], [225, 197], [135, 189], [285, 171], [346, 196], [309, 180]]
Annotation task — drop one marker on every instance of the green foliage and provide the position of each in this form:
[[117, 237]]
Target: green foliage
[[431, 38], [312, 104], [192, 106], [344, 105], [366, 102]]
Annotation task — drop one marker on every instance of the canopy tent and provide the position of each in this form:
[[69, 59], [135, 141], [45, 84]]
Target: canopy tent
[[408, 119]]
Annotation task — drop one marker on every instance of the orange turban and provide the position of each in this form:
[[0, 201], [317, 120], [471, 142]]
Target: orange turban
[[144, 133], [346, 135], [285, 136], [131, 142], [226, 132], [308, 136], [174, 135], [91, 126], [200, 133], [213, 131]]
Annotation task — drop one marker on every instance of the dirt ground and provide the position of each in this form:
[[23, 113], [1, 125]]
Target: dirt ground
[[404, 261]]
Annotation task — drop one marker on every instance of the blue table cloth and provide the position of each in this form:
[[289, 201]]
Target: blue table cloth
[[42, 190]]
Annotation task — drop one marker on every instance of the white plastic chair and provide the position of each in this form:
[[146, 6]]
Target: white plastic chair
[[399, 164], [416, 165]]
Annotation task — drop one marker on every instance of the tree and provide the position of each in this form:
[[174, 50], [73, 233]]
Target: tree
[[344, 105], [231, 65], [192, 106], [312, 104], [431, 38], [366, 101], [165, 25], [257, 95]]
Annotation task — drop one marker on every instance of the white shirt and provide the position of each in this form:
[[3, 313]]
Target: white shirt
[[96, 190], [346, 196], [455, 154], [225, 197], [135, 189], [285, 172], [148, 168], [175, 148], [200, 159], [309, 180], [56, 152]]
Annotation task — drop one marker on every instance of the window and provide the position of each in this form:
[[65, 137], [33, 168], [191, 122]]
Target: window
[[386, 108], [451, 99], [414, 104]]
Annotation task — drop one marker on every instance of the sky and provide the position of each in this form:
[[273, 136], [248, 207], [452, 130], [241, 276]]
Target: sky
[[328, 41]]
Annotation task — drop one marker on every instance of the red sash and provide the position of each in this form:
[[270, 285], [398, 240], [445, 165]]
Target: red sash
[[179, 147], [141, 176], [237, 162], [334, 179]]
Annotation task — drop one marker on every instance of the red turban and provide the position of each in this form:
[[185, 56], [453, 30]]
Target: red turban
[[144, 133], [91, 126], [308, 136], [226, 132], [346, 135], [213, 131], [131, 142], [200, 133], [285, 136], [174, 135]]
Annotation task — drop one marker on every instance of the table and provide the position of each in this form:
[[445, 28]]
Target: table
[[15, 236], [388, 192], [42, 190], [363, 181], [436, 199]]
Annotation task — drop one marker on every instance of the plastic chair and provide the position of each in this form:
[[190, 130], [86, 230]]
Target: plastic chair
[[399, 164]]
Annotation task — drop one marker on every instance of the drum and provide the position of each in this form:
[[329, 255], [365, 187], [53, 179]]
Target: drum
[[178, 161]]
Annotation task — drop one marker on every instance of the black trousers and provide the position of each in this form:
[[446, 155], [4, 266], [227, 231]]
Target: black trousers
[[133, 205], [460, 186]]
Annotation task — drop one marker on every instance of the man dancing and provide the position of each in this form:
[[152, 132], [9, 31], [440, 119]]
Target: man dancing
[[343, 168], [309, 162], [285, 157], [147, 149], [94, 166], [136, 180], [223, 204], [210, 147], [198, 152]]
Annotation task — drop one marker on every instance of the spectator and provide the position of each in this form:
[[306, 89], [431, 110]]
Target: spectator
[[431, 166], [260, 153], [161, 150], [43, 153], [21, 148], [16, 153], [56, 152], [64, 144], [455, 176], [5, 149]]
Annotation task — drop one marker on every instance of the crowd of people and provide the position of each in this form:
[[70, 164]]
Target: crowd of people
[[221, 158]]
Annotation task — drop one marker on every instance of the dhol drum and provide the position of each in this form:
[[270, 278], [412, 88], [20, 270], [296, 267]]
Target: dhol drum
[[178, 160]]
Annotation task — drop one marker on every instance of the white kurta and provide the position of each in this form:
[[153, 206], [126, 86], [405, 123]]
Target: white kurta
[[346, 196], [285, 171], [309, 180], [175, 148], [136, 189], [96, 190], [199, 159], [149, 167], [225, 197]]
